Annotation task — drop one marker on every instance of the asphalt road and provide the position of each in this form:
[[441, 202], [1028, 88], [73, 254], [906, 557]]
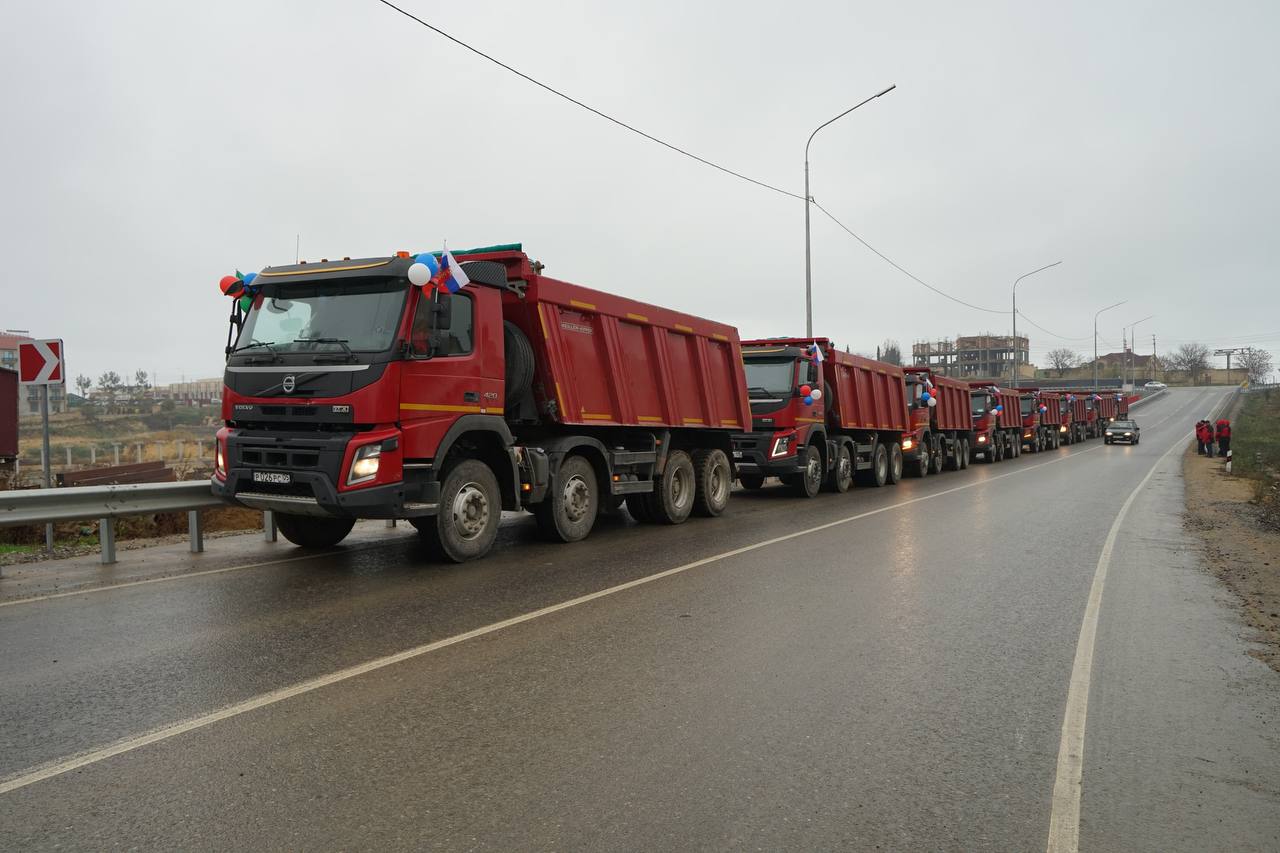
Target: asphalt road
[[887, 669]]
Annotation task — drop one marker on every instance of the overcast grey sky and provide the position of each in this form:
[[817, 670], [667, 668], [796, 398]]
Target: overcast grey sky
[[152, 147]]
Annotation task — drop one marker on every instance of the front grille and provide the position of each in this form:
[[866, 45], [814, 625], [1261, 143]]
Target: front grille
[[297, 490], [279, 458]]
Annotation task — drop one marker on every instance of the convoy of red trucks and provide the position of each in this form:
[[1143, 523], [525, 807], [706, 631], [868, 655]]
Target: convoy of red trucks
[[351, 393]]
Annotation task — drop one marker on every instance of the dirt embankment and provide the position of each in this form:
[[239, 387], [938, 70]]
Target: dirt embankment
[[1241, 540]]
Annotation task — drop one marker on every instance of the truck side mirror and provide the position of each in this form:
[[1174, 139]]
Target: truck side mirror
[[441, 313]]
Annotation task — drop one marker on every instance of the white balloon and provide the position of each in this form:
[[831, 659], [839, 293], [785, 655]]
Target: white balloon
[[816, 394], [419, 274], [933, 401]]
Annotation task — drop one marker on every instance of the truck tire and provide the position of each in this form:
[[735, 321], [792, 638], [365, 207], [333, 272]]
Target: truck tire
[[991, 454], [1015, 444], [950, 460], [879, 465], [518, 354], [922, 465], [713, 478], [840, 477], [466, 523], [751, 481], [964, 454], [808, 482], [569, 510], [639, 507], [313, 531], [672, 498], [895, 463]]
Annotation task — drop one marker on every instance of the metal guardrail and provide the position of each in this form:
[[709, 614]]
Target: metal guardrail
[[107, 503]]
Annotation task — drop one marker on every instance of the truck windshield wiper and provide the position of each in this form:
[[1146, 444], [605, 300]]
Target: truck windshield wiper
[[342, 342], [757, 391], [270, 347]]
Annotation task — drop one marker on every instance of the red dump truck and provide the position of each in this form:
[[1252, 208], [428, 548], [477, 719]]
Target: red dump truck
[[851, 429], [1075, 418], [351, 393], [1041, 419], [997, 422], [940, 423]]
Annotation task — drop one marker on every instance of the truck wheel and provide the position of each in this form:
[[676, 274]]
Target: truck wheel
[[751, 481], [895, 463], [518, 356], [569, 510], [879, 465], [919, 467], [639, 507], [1015, 444], [712, 476], [808, 482], [840, 477], [992, 454], [470, 510], [672, 499], [964, 453], [313, 531]]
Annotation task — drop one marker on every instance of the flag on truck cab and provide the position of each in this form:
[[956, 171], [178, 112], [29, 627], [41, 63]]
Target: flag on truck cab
[[451, 277], [815, 352]]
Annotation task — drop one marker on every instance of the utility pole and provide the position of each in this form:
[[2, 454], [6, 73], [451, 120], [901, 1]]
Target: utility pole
[[1153, 358]]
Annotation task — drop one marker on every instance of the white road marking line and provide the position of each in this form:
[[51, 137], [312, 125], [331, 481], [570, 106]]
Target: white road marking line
[[59, 767], [315, 555], [1064, 818]]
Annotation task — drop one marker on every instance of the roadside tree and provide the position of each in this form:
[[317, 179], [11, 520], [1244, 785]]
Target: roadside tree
[[1191, 359], [1064, 359], [1256, 364]]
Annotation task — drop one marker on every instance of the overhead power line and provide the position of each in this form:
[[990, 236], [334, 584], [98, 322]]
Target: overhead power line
[[891, 262], [1051, 334], [588, 107]]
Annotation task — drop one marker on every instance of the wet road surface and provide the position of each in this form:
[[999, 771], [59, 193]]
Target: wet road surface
[[885, 668]]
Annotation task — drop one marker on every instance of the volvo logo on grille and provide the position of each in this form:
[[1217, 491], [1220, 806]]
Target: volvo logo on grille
[[289, 384]]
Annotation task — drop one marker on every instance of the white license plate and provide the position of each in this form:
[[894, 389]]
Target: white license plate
[[271, 477], [737, 454]]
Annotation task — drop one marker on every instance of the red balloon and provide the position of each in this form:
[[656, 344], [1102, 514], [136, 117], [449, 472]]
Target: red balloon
[[805, 390], [230, 285]]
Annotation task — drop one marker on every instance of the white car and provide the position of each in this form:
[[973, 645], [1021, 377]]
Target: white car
[[1155, 386]]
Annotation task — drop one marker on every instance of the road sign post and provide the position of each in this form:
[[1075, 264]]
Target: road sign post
[[41, 363]]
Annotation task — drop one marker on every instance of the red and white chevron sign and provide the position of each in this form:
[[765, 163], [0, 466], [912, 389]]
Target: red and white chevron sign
[[40, 362]]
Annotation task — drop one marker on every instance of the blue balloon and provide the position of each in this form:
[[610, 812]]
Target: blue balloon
[[808, 400], [429, 260], [249, 277], [926, 396]]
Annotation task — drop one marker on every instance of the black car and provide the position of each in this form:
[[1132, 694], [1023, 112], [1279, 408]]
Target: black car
[[1122, 431]]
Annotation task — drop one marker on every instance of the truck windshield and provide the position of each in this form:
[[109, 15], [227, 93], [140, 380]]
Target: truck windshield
[[774, 377], [1028, 405], [978, 402], [362, 316]]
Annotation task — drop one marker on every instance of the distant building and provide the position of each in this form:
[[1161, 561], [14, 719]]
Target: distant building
[[197, 391], [976, 356], [29, 395]]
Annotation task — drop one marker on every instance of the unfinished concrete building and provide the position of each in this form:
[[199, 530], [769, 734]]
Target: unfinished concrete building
[[976, 356]]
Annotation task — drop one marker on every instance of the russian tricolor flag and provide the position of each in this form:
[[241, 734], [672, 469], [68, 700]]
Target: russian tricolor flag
[[451, 277]]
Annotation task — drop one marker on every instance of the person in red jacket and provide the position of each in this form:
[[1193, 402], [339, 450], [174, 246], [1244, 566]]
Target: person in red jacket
[[1201, 436], [1223, 434]]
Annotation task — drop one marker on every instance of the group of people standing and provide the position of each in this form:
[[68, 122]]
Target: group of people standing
[[1209, 435]]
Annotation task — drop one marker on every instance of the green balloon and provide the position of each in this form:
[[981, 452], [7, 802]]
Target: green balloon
[[246, 302]]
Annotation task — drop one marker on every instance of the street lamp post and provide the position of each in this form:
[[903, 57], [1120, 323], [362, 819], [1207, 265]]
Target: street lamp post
[[808, 275], [1013, 373], [1133, 346], [1095, 340]]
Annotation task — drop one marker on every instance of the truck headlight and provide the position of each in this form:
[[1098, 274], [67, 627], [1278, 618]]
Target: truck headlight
[[1062, 428], [781, 445], [907, 444], [982, 439], [364, 466]]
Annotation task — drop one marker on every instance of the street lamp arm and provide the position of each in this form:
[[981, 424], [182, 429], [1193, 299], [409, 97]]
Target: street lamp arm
[[842, 115], [1033, 272], [1108, 308]]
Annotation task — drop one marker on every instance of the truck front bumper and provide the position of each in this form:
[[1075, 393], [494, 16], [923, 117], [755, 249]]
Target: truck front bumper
[[312, 493], [751, 456]]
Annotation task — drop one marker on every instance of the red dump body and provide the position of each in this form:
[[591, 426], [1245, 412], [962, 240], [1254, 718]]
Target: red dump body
[[868, 394], [1055, 404], [609, 360], [8, 413], [952, 412]]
